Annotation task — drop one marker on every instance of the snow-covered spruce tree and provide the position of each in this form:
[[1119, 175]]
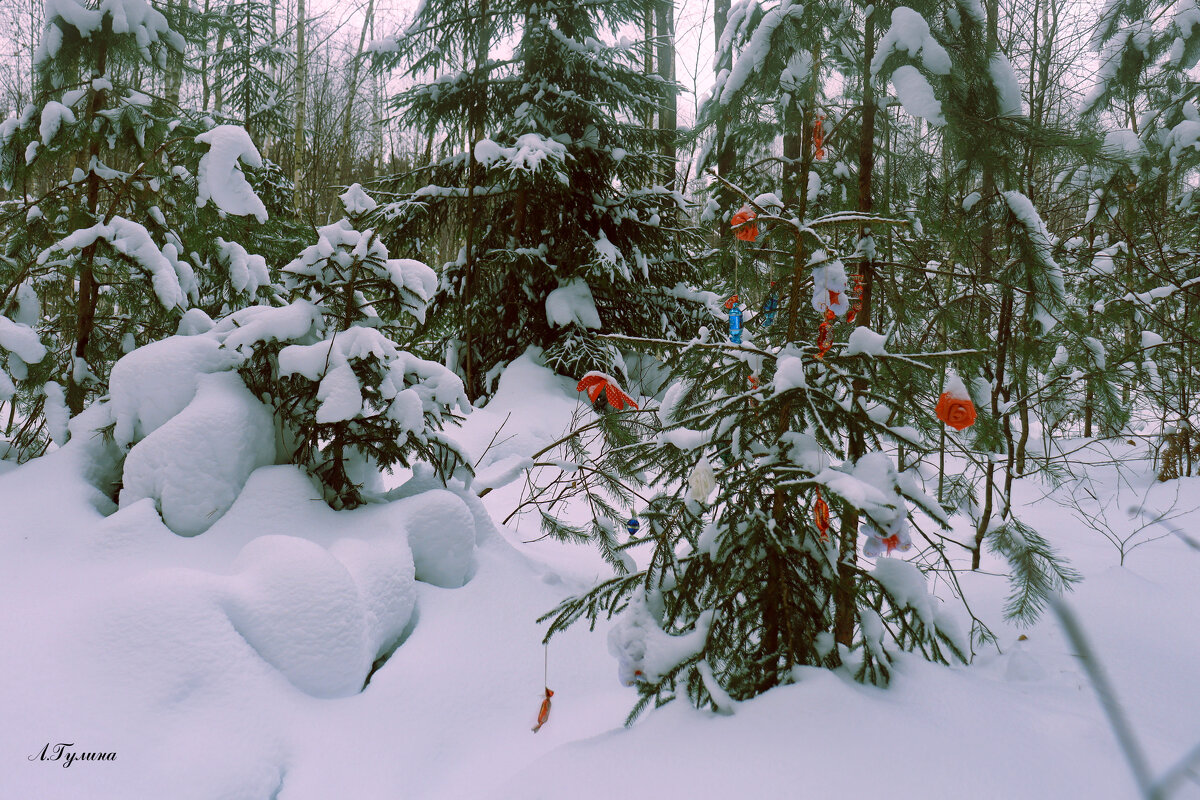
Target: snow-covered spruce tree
[[115, 251], [350, 398], [745, 586], [558, 224]]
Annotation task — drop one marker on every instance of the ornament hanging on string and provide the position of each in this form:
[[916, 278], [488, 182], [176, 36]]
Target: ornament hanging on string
[[954, 407], [830, 300], [544, 712], [744, 226], [735, 319], [819, 137], [856, 303], [702, 481], [821, 515], [770, 306], [633, 526]]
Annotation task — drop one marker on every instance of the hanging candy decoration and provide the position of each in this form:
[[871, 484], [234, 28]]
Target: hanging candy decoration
[[633, 526], [825, 334], [596, 382], [830, 299], [857, 295], [748, 230], [735, 319], [954, 407], [544, 712], [821, 515], [819, 137], [770, 306]]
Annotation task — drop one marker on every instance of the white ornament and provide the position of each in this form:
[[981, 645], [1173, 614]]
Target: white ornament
[[702, 481]]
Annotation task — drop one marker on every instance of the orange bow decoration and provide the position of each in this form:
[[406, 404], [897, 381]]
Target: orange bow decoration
[[596, 382], [819, 137], [544, 712], [957, 412], [748, 231]]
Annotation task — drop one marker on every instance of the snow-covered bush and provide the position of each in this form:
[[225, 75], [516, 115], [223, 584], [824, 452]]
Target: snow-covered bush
[[330, 365], [131, 207]]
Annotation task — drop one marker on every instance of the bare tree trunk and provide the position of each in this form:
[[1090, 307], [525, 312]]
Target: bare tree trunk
[[648, 58], [774, 625], [843, 596], [347, 148], [668, 113], [176, 10], [301, 107], [473, 175], [724, 147], [89, 290]]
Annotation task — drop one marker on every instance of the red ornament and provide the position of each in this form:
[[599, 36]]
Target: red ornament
[[856, 306], [596, 382], [957, 412], [748, 231], [544, 712], [821, 516], [825, 333], [819, 137]]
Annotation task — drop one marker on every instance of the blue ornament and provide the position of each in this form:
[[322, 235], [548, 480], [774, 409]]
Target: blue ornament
[[735, 324], [633, 526], [770, 306]]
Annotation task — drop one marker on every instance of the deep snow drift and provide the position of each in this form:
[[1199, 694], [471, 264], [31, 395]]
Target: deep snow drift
[[231, 664]]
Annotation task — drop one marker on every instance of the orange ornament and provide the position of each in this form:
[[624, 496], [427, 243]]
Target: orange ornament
[[821, 516], [544, 711], [748, 231], [957, 412], [596, 382], [819, 137]]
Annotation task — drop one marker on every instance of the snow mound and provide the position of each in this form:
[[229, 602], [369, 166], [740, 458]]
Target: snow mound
[[300, 610], [195, 464], [441, 533], [156, 381], [384, 573], [220, 178]]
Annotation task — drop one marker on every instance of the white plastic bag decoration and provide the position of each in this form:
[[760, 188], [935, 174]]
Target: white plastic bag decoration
[[702, 481], [829, 289], [894, 536]]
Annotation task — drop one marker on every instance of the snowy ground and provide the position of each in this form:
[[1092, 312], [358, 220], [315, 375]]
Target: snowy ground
[[223, 666]]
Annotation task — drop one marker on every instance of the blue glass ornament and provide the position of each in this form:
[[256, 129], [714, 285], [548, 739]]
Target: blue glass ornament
[[735, 324], [770, 306], [633, 526]]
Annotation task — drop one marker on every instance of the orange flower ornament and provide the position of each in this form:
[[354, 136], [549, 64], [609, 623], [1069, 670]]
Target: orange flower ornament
[[747, 232], [954, 407], [595, 382]]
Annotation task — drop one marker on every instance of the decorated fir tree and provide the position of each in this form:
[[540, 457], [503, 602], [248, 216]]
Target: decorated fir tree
[[569, 230]]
